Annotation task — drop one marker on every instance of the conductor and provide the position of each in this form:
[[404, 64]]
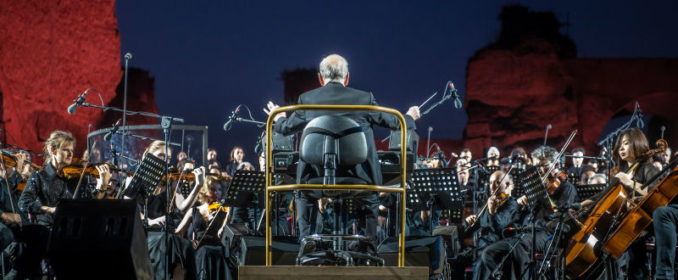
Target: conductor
[[333, 77]]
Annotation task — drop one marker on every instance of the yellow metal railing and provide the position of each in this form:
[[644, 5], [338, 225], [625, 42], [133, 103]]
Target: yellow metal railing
[[403, 170]]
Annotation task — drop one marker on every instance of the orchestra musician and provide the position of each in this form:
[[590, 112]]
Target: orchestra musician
[[630, 147], [210, 254], [237, 157], [575, 170], [539, 214], [665, 219], [152, 209], [47, 187], [502, 212], [333, 77]]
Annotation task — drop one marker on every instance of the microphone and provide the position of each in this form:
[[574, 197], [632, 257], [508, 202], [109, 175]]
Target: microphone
[[77, 102], [548, 127], [662, 129], [113, 130], [457, 101], [128, 56], [234, 114]]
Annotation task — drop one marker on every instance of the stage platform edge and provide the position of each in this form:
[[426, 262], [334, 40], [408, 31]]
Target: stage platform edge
[[287, 272]]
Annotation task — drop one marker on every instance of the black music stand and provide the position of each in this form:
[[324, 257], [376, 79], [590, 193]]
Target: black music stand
[[532, 187], [245, 186], [586, 191], [146, 179], [436, 187]]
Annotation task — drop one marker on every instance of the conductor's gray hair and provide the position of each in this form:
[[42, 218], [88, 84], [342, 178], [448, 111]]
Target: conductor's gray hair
[[333, 68]]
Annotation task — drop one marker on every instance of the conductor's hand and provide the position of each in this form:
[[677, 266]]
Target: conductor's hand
[[414, 112], [272, 106]]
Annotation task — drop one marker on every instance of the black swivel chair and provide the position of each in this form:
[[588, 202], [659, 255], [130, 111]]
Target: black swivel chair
[[332, 145]]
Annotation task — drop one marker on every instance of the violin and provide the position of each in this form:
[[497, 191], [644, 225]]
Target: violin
[[74, 170], [555, 180], [216, 207], [9, 160], [189, 176]]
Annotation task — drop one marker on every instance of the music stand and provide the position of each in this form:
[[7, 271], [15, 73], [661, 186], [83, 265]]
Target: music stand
[[586, 191], [437, 187], [147, 176], [532, 187], [244, 185]]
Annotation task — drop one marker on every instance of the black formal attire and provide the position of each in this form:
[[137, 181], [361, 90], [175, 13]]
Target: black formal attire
[[45, 188], [633, 260], [6, 235], [574, 174], [181, 252], [491, 228], [334, 93], [539, 217], [210, 257]]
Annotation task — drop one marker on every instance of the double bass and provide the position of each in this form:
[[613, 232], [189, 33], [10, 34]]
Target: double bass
[[584, 249]]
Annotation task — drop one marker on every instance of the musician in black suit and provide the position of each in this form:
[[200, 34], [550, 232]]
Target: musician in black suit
[[333, 77]]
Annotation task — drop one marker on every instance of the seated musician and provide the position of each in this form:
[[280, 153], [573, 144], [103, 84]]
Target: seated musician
[[198, 223], [665, 221], [333, 77], [493, 156], [629, 149], [185, 200], [152, 208], [542, 211], [501, 213], [47, 187]]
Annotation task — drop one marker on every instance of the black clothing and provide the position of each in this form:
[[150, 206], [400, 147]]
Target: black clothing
[[490, 242], [336, 94], [520, 256], [209, 259], [45, 188], [182, 253], [665, 221], [5, 205], [644, 172], [231, 168], [574, 174]]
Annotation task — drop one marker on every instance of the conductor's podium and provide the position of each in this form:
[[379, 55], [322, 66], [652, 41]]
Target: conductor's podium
[[280, 272]]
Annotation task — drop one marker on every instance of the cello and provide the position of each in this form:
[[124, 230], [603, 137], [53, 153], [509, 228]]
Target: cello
[[584, 249], [640, 216]]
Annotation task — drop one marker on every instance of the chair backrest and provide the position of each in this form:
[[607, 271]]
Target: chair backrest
[[333, 134]]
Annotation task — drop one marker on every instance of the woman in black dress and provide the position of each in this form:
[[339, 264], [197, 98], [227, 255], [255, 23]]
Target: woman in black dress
[[203, 225]]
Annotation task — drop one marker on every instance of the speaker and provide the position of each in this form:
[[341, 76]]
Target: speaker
[[100, 238], [250, 250], [419, 251]]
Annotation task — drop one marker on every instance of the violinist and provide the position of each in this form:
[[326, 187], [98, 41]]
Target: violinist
[[155, 205], [560, 192], [182, 198], [501, 212], [47, 187], [198, 223]]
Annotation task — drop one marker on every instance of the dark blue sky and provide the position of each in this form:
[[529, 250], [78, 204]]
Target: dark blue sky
[[209, 56]]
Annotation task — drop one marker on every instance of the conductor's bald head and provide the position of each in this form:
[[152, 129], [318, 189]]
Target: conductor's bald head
[[333, 68]]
